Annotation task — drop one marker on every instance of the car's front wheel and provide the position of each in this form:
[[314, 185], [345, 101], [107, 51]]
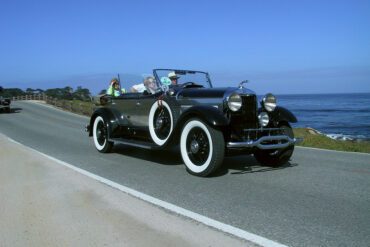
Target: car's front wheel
[[276, 158], [202, 147], [100, 135]]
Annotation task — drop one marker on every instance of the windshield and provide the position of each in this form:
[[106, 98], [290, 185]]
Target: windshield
[[178, 77]]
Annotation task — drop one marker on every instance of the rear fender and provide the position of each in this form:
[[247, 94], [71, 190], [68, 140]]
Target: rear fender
[[108, 116]]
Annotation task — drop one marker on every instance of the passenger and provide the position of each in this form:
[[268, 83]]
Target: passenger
[[148, 84], [173, 77], [115, 88], [151, 85]]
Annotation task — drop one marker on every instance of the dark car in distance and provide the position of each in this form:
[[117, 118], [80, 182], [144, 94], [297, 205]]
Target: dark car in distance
[[206, 122], [4, 102]]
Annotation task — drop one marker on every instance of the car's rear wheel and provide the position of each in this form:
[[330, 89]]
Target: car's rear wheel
[[202, 147], [276, 158], [7, 109], [100, 135]]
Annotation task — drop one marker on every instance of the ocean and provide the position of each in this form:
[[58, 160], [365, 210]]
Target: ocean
[[339, 116]]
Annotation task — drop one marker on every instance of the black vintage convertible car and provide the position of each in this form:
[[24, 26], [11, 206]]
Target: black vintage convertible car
[[207, 123], [4, 102]]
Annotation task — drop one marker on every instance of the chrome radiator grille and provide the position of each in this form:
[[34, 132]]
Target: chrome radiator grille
[[250, 111], [246, 117]]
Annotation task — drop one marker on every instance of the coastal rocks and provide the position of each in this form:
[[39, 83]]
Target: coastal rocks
[[313, 131], [338, 137]]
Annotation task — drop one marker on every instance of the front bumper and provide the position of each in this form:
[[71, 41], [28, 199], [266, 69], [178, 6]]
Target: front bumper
[[273, 138]]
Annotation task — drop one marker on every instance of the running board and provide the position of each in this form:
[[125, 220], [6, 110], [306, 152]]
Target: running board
[[135, 143]]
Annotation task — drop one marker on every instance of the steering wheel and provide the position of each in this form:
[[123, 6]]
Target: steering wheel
[[190, 84]]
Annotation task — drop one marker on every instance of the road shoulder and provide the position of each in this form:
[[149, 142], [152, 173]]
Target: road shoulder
[[47, 204]]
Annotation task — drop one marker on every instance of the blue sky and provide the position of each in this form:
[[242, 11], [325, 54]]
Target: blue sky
[[280, 46]]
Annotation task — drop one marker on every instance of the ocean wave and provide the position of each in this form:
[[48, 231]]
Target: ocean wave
[[341, 117], [348, 126], [343, 137], [332, 110]]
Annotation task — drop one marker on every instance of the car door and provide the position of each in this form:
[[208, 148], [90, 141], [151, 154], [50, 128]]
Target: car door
[[125, 108], [142, 106]]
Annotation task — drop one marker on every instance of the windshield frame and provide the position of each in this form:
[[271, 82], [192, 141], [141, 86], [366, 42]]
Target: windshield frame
[[182, 71]]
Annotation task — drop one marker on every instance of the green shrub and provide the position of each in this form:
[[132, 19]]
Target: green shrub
[[313, 139]]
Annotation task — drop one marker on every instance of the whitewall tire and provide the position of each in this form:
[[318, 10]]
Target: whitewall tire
[[160, 122], [100, 135], [202, 147]]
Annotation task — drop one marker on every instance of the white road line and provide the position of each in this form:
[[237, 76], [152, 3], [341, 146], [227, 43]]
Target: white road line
[[171, 207]]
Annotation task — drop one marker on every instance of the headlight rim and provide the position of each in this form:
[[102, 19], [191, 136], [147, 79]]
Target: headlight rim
[[263, 122], [269, 102], [237, 105]]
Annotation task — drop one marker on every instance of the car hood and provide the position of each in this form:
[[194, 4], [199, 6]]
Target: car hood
[[211, 92]]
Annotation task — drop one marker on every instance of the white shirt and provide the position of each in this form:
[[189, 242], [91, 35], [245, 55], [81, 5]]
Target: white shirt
[[139, 87]]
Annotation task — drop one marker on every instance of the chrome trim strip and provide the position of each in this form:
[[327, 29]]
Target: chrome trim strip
[[259, 142], [262, 129], [188, 106]]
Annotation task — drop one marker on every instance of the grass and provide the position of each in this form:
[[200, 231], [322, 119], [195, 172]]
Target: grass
[[321, 141], [86, 108], [76, 106]]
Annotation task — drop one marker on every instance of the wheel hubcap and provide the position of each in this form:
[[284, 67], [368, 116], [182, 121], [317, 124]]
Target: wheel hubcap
[[159, 123], [100, 133], [197, 146], [162, 123], [194, 147]]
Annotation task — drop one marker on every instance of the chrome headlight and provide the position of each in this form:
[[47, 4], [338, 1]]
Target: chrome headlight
[[234, 102], [269, 102], [264, 119]]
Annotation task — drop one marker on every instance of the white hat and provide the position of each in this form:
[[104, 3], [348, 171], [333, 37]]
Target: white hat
[[173, 74]]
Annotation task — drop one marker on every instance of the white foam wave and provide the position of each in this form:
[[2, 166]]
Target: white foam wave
[[342, 137]]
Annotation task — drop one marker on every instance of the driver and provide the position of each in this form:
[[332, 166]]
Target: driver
[[173, 77]]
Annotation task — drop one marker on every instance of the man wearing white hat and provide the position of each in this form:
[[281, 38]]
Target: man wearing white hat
[[173, 77]]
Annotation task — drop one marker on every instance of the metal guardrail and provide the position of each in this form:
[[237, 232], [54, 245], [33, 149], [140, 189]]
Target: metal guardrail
[[68, 105]]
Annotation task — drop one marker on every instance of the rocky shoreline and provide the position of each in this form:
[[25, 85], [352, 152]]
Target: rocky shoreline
[[338, 137]]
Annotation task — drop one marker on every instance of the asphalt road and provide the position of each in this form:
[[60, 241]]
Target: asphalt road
[[321, 198]]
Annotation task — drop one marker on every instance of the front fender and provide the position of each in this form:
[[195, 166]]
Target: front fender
[[209, 114], [281, 114], [108, 116]]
